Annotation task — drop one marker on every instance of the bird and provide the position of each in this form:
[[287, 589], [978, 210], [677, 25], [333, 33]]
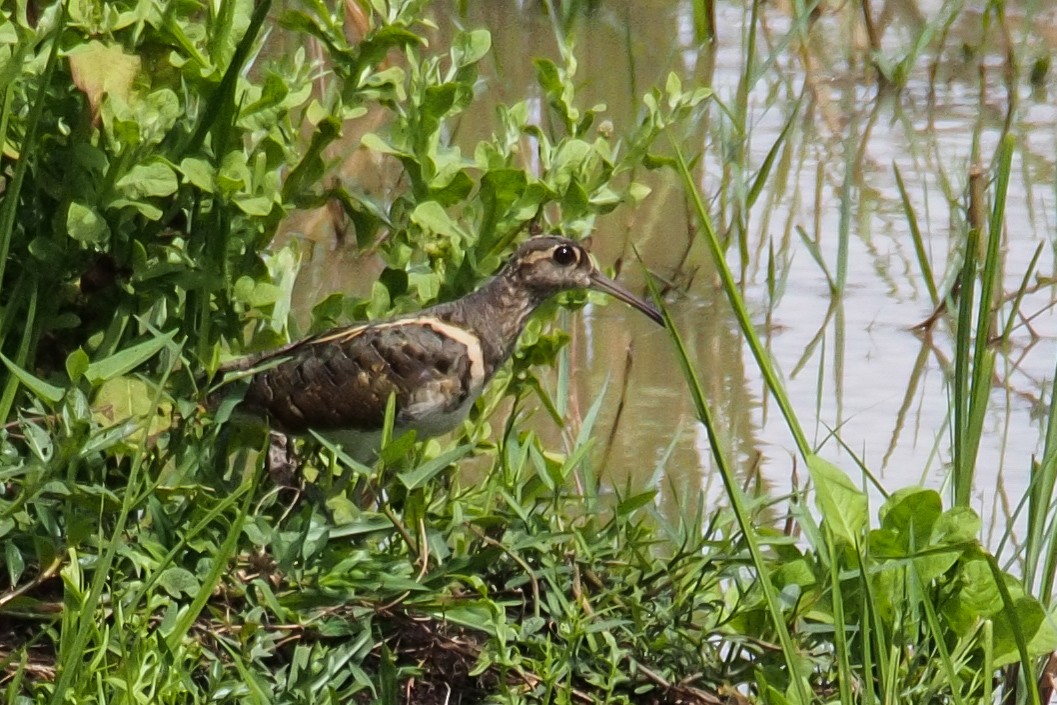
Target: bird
[[435, 363]]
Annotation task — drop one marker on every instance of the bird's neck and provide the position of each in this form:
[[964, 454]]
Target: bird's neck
[[496, 313]]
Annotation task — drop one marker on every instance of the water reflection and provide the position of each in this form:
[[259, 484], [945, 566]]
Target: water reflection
[[824, 249]]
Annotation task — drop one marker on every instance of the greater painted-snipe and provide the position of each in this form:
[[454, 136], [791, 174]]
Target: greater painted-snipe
[[436, 363]]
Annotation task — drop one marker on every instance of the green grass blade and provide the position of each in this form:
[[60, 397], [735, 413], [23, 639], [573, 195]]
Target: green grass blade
[[768, 161], [730, 288], [220, 560], [983, 359], [9, 203], [919, 241], [737, 500], [1022, 290], [840, 637], [816, 254], [1026, 665], [962, 359], [1041, 541]]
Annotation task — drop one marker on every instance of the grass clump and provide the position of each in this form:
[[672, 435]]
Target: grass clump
[[149, 557]]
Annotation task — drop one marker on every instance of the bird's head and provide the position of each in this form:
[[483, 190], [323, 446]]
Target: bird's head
[[548, 265]]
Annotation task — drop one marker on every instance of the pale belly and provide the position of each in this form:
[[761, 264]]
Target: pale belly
[[363, 446]]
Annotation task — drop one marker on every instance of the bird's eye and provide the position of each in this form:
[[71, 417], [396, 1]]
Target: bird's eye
[[565, 255]]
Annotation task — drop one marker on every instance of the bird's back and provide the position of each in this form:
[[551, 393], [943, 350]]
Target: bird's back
[[342, 379]]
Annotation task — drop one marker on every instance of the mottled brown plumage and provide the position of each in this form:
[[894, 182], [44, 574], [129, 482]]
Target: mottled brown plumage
[[436, 362]]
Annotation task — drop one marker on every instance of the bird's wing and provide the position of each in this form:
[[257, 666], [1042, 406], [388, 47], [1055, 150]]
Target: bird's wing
[[343, 379]]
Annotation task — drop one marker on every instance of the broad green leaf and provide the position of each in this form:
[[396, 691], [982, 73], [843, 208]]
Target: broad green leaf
[[398, 447], [84, 224], [548, 76], [912, 510], [256, 205], [471, 47], [638, 191], [147, 210], [956, 525], [475, 615], [199, 173], [978, 597], [842, 504], [431, 217], [256, 294], [38, 440], [569, 158], [15, 562], [388, 81], [1028, 616], [123, 398], [438, 100], [177, 581], [121, 362], [148, 180], [375, 143], [77, 363], [913, 525], [269, 95], [42, 389], [234, 174], [673, 87], [160, 110], [98, 70]]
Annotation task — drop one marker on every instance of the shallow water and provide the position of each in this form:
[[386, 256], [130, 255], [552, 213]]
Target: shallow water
[[852, 363]]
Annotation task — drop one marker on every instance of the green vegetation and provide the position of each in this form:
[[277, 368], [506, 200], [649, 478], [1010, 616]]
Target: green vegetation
[[151, 152]]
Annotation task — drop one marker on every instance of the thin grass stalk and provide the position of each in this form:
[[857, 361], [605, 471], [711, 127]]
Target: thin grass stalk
[[733, 490], [29, 333], [816, 254], [81, 624], [747, 78], [844, 220], [962, 359], [840, 636], [134, 595], [983, 359], [629, 56], [9, 203], [737, 501], [764, 171], [730, 288], [259, 692], [1027, 671], [933, 620], [705, 20], [868, 475], [220, 563], [9, 208], [75, 634], [872, 36], [222, 104], [14, 687], [866, 634], [919, 241], [1041, 546], [1022, 291], [908, 399]]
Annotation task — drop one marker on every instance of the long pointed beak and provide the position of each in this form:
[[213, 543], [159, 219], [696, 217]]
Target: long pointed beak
[[606, 285]]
